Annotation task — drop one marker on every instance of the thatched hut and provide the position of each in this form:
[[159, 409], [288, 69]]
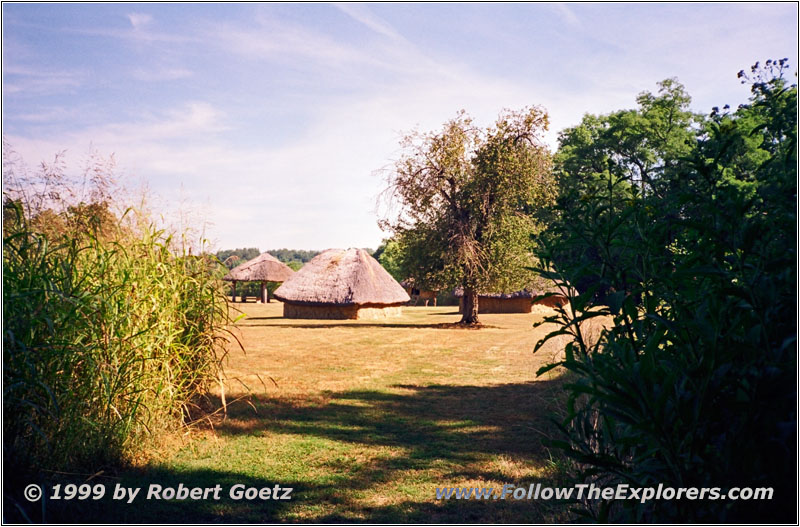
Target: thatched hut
[[417, 293], [516, 302], [556, 299], [341, 284], [264, 268]]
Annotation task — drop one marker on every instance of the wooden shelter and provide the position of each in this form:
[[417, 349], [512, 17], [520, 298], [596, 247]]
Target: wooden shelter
[[557, 299], [516, 302], [264, 268], [418, 294], [342, 284]]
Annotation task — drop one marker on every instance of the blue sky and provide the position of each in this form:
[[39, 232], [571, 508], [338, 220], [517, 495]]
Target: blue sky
[[272, 122]]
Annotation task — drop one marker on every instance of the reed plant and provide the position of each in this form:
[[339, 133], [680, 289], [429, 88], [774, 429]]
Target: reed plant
[[110, 335]]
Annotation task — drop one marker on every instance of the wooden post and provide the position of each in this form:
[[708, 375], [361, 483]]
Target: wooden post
[[233, 299], [264, 293]]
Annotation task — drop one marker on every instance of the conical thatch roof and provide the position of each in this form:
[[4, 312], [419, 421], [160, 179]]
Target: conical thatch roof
[[263, 268], [342, 277]]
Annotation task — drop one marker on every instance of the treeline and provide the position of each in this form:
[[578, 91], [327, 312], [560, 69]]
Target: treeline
[[293, 255], [233, 257], [230, 258]]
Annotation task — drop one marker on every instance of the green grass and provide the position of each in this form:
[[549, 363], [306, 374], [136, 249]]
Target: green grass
[[364, 420]]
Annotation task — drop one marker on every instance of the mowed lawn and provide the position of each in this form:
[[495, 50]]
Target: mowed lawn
[[365, 419]]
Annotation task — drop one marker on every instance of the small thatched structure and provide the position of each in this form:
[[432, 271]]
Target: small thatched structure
[[516, 302], [264, 268], [418, 294], [555, 300], [341, 284]]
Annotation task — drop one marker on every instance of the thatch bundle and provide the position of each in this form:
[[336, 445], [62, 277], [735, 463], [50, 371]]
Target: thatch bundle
[[264, 268], [341, 284]]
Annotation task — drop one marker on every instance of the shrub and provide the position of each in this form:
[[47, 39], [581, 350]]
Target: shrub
[[693, 384]]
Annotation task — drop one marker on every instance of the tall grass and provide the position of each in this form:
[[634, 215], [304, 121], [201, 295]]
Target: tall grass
[[110, 334]]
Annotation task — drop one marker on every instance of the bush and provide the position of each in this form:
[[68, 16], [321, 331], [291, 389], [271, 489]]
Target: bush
[[693, 383]]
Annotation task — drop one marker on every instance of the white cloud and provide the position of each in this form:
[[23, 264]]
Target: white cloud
[[32, 80], [139, 20], [284, 42], [48, 115], [361, 14], [566, 14], [157, 74]]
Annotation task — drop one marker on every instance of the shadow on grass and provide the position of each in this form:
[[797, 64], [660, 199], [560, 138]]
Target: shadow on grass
[[436, 421], [454, 429]]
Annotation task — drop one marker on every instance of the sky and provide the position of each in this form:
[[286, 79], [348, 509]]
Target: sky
[[275, 125]]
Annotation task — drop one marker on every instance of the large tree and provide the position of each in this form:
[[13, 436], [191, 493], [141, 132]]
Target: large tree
[[625, 155], [469, 200]]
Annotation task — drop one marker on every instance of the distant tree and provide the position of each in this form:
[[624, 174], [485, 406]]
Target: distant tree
[[390, 257], [233, 257], [379, 251], [293, 255], [469, 201]]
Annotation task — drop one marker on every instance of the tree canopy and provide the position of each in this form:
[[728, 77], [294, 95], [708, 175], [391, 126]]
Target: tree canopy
[[469, 201]]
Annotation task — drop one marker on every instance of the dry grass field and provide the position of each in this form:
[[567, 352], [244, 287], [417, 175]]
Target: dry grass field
[[317, 357], [366, 418]]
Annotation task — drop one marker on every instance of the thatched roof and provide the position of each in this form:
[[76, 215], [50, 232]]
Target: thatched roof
[[342, 277], [263, 268], [525, 293]]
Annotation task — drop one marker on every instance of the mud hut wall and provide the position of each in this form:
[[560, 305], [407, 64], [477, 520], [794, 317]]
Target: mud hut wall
[[334, 312], [552, 301], [500, 305]]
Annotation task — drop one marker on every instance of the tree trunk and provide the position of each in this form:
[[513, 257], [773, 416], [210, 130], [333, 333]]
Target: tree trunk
[[470, 314]]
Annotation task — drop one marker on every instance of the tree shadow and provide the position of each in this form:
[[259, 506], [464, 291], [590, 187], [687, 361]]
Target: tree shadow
[[453, 428], [435, 421]]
